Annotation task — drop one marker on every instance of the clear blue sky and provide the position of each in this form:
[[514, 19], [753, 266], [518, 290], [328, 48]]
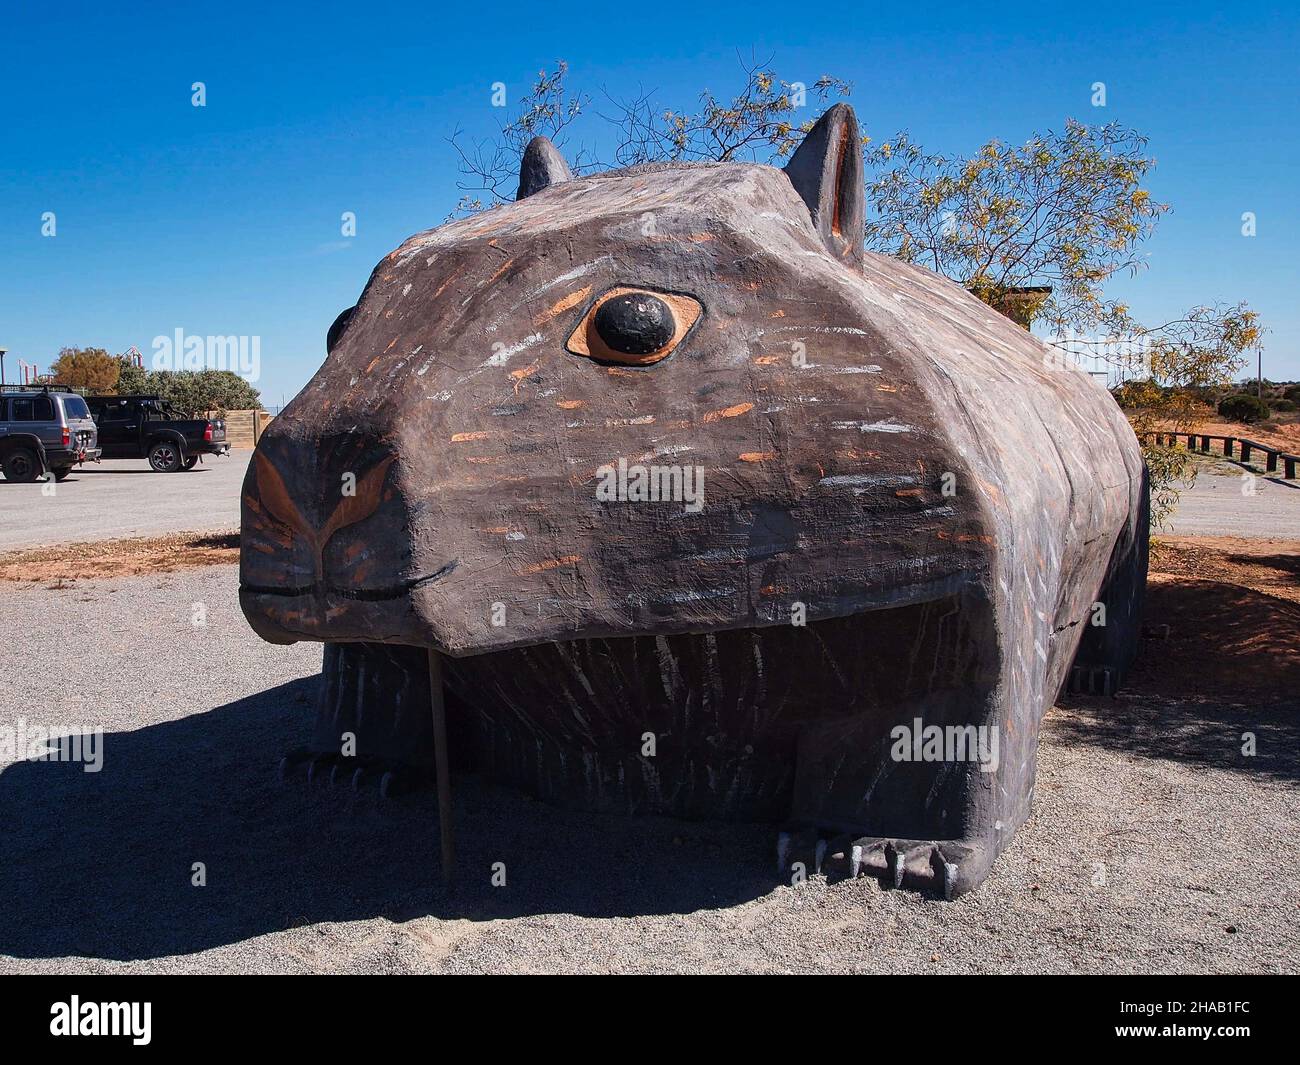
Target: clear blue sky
[[225, 219]]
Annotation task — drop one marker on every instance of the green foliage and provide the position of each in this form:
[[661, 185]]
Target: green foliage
[[1243, 408], [759, 123], [493, 166], [93, 370], [1283, 406], [132, 379], [193, 392], [1065, 210]]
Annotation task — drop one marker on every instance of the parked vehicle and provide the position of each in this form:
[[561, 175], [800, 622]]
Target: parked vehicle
[[45, 431], [137, 427]]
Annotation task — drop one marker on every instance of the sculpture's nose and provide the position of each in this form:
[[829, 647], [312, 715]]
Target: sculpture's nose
[[315, 517]]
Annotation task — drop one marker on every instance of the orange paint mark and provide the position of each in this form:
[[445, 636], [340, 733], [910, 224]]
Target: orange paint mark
[[837, 226], [757, 456], [552, 563], [777, 314], [504, 267], [964, 538], [570, 404], [527, 371], [450, 279], [561, 305], [729, 412], [373, 363], [482, 434], [910, 492], [689, 238], [769, 360]]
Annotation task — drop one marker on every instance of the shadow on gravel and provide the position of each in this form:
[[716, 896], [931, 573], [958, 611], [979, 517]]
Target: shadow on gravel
[[1203, 732], [1229, 665], [99, 864]]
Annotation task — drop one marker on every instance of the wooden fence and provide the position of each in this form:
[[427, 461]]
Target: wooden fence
[[244, 427], [1201, 443]]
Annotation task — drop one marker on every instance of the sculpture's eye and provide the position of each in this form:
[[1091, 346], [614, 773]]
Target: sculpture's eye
[[634, 327]]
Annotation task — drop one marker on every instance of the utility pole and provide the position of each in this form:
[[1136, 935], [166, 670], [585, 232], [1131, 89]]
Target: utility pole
[[1259, 373], [2, 366]]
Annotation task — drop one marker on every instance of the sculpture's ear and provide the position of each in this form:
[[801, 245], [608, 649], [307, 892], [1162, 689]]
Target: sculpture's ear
[[336, 330], [542, 165], [826, 170]]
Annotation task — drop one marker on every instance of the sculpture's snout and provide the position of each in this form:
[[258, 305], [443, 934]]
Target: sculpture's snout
[[313, 553]]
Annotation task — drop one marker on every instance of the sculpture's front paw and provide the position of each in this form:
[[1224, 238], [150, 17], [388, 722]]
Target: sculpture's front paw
[[391, 779], [944, 868]]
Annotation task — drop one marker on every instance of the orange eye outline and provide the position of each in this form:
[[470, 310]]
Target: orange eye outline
[[586, 341]]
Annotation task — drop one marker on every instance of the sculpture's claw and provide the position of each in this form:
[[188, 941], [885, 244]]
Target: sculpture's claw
[[940, 867], [895, 863], [782, 853], [291, 762], [945, 872], [866, 853], [321, 765], [391, 779]]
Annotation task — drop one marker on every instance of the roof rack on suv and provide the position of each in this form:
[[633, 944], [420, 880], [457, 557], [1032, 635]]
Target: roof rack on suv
[[39, 388]]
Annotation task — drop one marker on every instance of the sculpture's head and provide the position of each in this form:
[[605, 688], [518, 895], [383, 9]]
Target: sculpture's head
[[672, 398]]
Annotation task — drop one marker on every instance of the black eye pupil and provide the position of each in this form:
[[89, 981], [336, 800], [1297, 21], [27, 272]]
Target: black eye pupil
[[635, 323]]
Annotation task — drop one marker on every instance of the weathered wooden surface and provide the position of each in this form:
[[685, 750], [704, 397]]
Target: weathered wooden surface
[[884, 457]]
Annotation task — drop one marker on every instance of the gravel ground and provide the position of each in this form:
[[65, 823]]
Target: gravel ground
[[123, 497], [1228, 500], [1155, 846]]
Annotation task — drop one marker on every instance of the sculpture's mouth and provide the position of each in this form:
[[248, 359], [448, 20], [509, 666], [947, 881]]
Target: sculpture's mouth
[[325, 590]]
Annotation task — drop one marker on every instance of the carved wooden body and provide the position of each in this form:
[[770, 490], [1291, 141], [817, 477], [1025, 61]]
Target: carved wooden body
[[908, 510]]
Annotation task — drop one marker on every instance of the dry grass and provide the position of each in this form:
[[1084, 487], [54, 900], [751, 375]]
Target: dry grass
[[60, 565]]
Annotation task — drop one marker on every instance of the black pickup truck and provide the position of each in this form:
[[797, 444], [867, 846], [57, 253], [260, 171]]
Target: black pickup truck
[[137, 427]]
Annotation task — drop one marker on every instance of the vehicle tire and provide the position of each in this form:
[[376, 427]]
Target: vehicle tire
[[61, 474], [191, 462], [165, 457], [21, 466]]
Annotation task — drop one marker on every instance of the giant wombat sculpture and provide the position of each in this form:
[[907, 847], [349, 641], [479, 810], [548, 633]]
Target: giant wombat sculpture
[[710, 513]]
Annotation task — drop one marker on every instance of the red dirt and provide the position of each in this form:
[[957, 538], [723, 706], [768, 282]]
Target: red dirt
[[66, 563], [1233, 610]]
